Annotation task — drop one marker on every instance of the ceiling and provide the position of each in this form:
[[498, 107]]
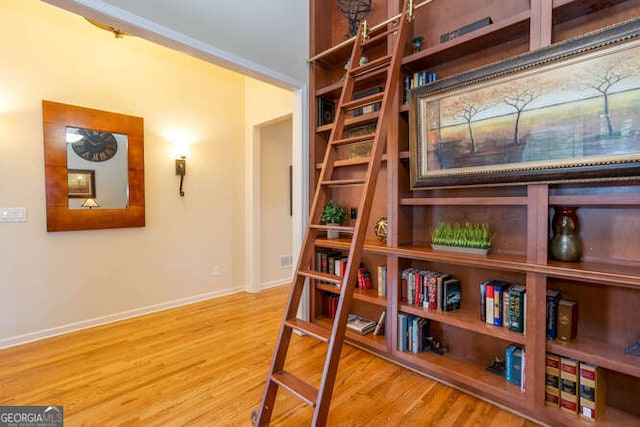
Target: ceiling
[[267, 40]]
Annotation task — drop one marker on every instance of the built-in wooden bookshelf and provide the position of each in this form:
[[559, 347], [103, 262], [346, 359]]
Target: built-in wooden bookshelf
[[606, 282]]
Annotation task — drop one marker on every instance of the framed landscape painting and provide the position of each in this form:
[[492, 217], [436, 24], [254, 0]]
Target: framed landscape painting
[[567, 112]]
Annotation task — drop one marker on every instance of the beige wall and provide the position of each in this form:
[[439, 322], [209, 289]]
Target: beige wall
[[51, 282], [275, 221]]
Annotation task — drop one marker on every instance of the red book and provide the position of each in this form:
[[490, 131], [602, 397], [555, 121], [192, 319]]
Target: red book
[[489, 304]]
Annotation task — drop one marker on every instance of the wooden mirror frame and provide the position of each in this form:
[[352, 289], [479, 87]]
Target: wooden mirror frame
[[56, 117]]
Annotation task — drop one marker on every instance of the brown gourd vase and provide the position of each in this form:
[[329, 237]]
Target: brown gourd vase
[[565, 244]]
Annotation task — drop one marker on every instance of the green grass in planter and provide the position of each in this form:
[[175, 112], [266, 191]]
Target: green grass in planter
[[462, 235]]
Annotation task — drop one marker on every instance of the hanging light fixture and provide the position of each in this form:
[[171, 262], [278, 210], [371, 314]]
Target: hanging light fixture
[[355, 11]]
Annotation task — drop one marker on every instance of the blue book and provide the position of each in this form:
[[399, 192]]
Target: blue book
[[402, 331], [553, 297], [508, 362]]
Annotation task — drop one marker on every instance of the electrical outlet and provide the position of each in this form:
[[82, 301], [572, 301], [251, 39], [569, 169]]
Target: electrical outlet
[[216, 270]]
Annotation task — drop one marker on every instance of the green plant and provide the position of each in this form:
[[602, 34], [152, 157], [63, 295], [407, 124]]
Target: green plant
[[333, 214], [462, 235]]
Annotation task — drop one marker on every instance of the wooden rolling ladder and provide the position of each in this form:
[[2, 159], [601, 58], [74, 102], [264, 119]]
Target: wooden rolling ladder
[[359, 74]]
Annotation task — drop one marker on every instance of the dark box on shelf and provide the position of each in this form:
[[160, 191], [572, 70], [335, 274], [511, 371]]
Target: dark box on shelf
[[465, 30]]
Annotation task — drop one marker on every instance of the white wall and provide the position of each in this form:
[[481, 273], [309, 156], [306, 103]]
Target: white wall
[[50, 282]]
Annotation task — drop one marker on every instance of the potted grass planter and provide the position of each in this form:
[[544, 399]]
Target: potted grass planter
[[333, 214], [466, 238]]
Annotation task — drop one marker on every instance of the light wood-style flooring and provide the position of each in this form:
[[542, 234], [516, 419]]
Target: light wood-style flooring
[[205, 364]]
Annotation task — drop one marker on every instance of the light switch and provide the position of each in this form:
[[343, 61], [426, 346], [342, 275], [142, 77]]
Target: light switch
[[13, 214]]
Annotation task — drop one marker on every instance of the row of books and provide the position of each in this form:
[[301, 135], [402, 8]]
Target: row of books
[[562, 317], [355, 323], [574, 386], [514, 365], [431, 290], [413, 333], [503, 304], [417, 79]]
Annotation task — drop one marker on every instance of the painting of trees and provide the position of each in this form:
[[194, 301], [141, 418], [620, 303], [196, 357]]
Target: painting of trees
[[518, 95], [604, 77], [466, 108]]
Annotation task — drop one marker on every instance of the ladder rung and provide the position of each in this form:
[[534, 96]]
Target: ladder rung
[[311, 329], [363, 119], [354, 139], [361, 102], [343, 182], [371, 75], [296, 386], [370, 66], [339, 228], [321, 276], [378, 37]]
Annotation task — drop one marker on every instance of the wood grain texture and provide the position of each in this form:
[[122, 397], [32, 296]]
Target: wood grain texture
[[205, 365]]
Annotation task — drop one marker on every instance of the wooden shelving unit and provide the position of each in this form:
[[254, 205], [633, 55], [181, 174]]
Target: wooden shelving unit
[[605, 283]]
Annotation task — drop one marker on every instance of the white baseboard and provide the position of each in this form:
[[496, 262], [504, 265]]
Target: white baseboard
[[275, 283], [90, 323]]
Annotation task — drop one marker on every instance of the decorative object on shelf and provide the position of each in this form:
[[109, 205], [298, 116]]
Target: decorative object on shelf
[[333, 214], [634, 349], [493, 125], [496, 366], [326, 111], [465, 30], [363, 60], [90, 203], [467, 238], [565, 244], [355, 11], [433, 345], [417, 43], [380, 229]]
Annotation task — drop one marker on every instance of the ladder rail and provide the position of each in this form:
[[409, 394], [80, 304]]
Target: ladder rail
[[277, 376]]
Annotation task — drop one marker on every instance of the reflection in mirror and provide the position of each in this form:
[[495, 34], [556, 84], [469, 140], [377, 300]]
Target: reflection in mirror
[[97, 168]]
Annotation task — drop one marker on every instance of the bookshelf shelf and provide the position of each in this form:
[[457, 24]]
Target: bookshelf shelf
[[606, 282], [607, 355], [465, 319], [472, 376], [368, 341], [499, 32]]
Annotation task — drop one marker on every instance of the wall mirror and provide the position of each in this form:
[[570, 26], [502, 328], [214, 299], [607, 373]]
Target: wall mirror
[[94, 168]]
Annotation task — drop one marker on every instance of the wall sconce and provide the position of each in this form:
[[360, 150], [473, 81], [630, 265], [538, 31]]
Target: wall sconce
[[90, 203], [181, 170]]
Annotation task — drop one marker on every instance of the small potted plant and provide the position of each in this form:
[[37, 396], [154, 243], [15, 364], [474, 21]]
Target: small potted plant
[[333, 214], [466, 237]]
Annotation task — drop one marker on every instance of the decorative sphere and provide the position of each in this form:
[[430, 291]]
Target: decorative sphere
[[380, 229]]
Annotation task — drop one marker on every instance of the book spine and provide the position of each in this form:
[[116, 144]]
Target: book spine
[[552, 380], [497, 305], [489, 304], [568, 385], [552, 314], [402, 332], [516, 376], [567, 319], [592, 391], [508, 362], [516, 309], [433, 292], [506, 292], [483, 301]]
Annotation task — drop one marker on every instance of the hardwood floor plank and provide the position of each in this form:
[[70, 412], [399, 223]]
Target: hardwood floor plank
[[205, 365]]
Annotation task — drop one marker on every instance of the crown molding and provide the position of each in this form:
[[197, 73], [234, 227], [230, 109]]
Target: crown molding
[[136, 25]]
